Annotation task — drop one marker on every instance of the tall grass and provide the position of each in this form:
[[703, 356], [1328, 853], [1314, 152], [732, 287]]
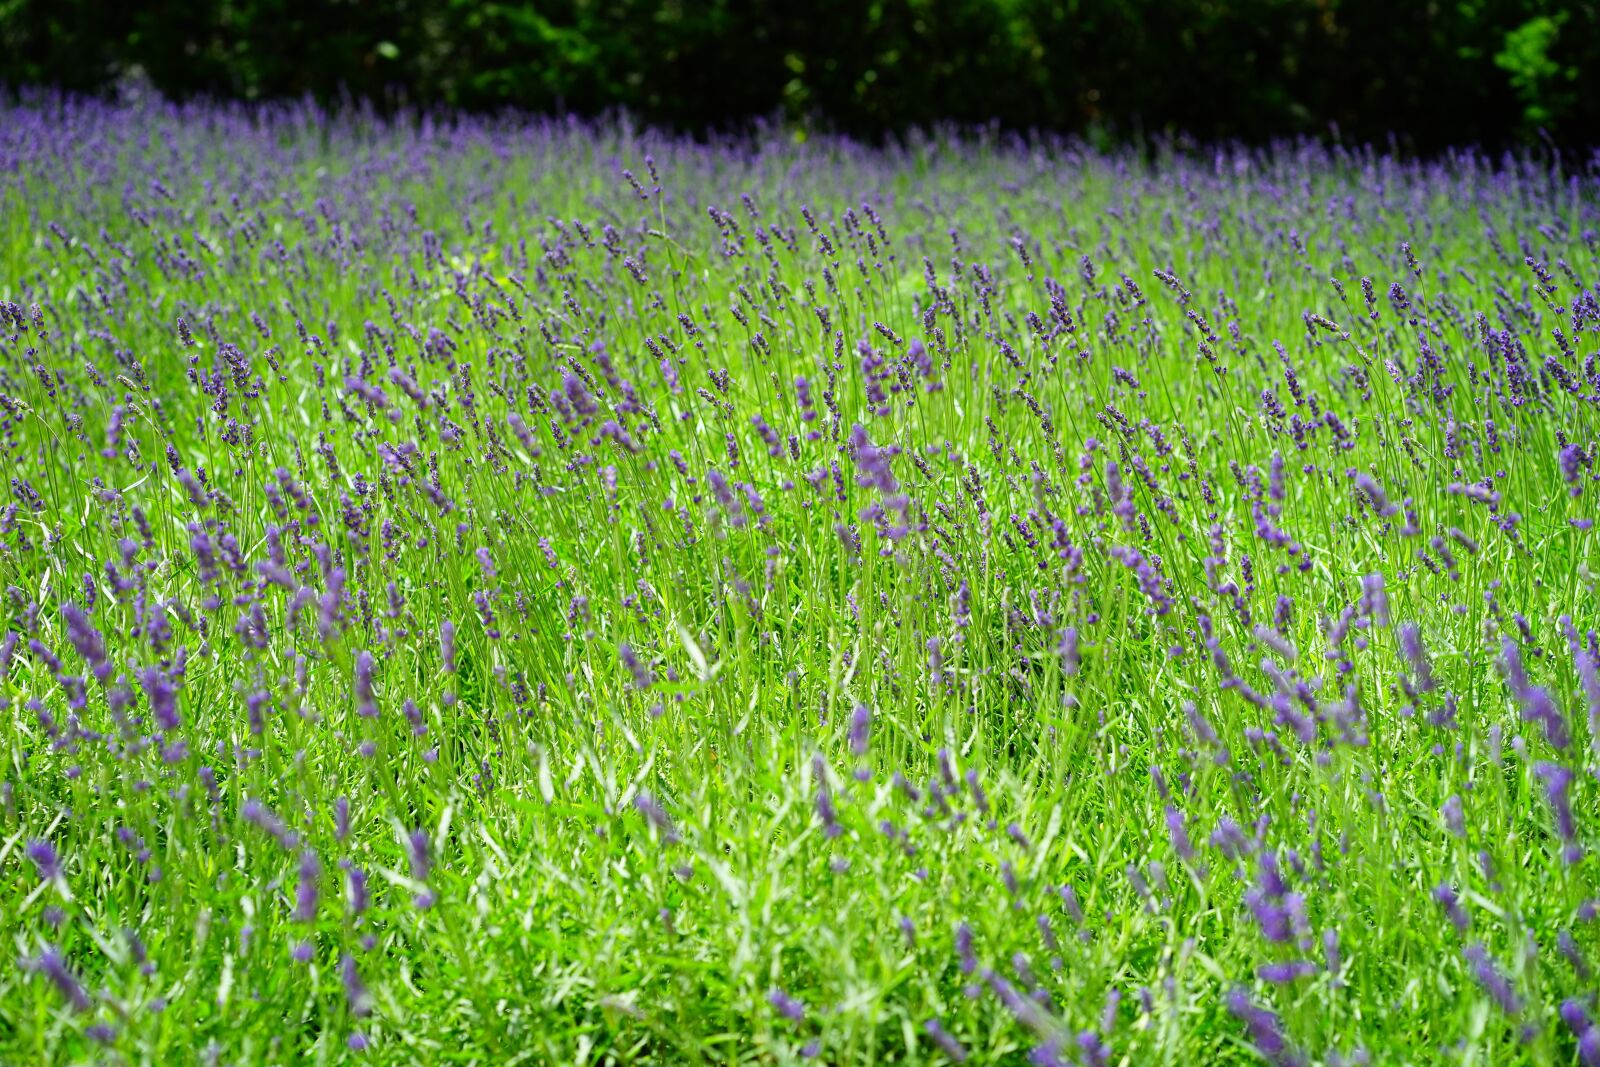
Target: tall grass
[[491, 591]]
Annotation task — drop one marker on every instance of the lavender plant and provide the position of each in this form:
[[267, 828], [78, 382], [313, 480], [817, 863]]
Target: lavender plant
[[505, 590]]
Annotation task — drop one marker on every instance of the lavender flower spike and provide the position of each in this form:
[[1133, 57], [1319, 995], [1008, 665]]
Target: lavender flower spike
[[1265, 1029]]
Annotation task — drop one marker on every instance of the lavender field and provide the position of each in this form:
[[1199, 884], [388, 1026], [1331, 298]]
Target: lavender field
[[498, 590]]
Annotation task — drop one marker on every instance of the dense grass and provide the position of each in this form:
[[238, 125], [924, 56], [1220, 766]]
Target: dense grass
[[471, 605]]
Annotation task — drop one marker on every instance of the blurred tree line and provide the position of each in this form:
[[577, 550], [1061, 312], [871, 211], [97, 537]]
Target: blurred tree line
[[1432, 72]]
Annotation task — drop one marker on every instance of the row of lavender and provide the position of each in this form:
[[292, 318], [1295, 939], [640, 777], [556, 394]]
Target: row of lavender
[[485, 588]]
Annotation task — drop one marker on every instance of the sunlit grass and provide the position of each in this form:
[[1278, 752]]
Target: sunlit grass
[[495, 591]]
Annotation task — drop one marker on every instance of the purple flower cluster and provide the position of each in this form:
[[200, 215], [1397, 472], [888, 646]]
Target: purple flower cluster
[[1032, 602]]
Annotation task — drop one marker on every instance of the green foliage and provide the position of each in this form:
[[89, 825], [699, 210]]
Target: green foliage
[[1478, 70], [467, 367], [1534, 73]]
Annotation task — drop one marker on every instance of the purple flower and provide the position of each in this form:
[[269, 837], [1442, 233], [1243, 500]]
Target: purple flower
[[1570, 460], [1451, 903], [43, 855], [642, 678], [355, 991], [366, 701], [654, 814], [420, 854], [87, 641], [1374, 493], [1277, 642], [1330, 952], [1048, 1055], [1411, 647], [725, 497], [1068, 652], [1179, 835], [935, 661], [978, 796], [951, 1048], [163, 698], [1567, 945], [1281, 973], [827, 813], [447, 645], [787, 1006], [53, 966], [1537, 704], [1270, 916], [860, 729], [1576, 1018], [1454, 817], [1557, 784], [1266, 1031], [1021, 1008], [1096, 1053], [1489, 977], [1069, 900], [969, 959], [359, 895], [305, 894], [1588, 664], [1374, 599], [257, 814]]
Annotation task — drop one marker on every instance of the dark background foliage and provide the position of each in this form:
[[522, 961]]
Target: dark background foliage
[[1431, 72]]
